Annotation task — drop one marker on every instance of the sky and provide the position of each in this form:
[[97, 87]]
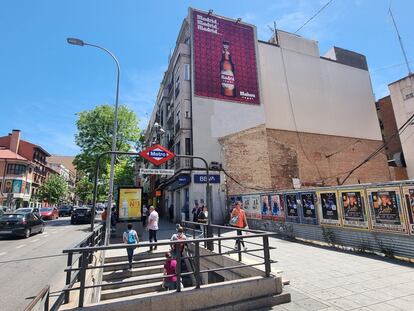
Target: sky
[[44, 81]]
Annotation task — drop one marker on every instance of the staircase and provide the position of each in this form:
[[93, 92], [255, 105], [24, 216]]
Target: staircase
[[144, 278]]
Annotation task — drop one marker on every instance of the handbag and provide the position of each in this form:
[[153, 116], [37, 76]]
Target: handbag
[[234, 220]]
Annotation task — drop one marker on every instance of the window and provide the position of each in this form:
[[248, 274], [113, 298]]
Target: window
[[188, 146], [187, 72], [177, 148], [177, 82], [16, 169]]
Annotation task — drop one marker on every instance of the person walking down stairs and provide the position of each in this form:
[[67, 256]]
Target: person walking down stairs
[[130, 237]]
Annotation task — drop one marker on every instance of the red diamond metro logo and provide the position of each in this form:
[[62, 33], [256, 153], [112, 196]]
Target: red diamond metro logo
[[157, 154]]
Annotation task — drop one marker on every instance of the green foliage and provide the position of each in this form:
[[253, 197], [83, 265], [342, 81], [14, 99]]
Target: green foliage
[[84, 189], [95, 128], [53, 190]]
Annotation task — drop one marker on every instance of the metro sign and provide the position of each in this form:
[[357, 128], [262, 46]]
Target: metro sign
[[157, 154]]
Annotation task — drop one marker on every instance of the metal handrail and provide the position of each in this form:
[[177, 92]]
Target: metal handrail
[[44, 293]]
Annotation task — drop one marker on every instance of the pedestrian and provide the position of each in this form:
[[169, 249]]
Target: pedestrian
[[170, 266], [171, 212], [152, 226], [103, 219], [130, 237], [238, 219], [195, 212], [203, 215], [179, 236], [144, 215]]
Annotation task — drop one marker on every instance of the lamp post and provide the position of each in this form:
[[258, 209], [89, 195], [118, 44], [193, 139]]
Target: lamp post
[[79, 42]]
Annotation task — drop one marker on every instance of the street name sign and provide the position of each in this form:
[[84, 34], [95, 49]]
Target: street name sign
[[157, 154], [153, 171]]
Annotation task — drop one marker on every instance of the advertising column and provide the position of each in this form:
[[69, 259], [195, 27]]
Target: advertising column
[[224, 59]]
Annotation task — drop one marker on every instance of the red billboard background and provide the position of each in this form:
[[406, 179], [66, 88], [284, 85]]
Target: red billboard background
[[209, 36]]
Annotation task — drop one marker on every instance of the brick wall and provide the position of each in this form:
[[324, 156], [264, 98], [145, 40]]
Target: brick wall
[[268, 158]]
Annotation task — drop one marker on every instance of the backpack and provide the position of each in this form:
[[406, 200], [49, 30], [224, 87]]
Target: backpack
[[131, 237]]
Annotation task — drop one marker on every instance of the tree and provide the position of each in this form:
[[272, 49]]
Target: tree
[[95, 128], [53, 190], [83, 190]]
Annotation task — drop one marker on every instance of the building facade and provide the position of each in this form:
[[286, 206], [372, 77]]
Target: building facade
[[261, 113], [23, 170], [63, 165]]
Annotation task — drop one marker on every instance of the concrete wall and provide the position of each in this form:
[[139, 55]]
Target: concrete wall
[[322, 96], [402, 93]]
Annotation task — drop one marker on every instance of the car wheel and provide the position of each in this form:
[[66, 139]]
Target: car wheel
[[26, 233], [42, 230]]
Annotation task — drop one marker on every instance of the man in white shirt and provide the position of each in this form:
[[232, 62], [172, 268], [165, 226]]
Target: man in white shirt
[[153, 225]]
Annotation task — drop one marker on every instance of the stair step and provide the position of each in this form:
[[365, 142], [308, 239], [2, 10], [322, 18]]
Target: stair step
[[135, 264], [137, 256], [135, 280], [126, 274], [131, 290]]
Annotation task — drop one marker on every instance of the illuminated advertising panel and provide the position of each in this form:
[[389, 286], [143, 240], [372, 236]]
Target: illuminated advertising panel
[[353, 208], [308, 204], [292, 204], [129, 203], [328, 208], [224, 54], [408, 192]]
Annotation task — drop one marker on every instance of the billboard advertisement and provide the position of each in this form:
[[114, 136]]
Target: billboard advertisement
[[251, 205], [386, 209], [292, 207], [408, 192], [224, 53], [354, 212], [308, 203], [277, 207], [129, 203], [328, 208]]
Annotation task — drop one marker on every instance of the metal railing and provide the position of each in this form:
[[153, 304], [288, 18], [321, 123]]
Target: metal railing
[[86, 252], [41, 301]]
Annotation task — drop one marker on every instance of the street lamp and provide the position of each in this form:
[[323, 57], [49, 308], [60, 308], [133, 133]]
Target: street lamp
[[75, 41]]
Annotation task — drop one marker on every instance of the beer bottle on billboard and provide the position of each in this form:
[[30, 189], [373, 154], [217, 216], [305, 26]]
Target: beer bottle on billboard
[[228, 87]]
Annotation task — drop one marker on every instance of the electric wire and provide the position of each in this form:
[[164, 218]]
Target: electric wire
[[314, 15]]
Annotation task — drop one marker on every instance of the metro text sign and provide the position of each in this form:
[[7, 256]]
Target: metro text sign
[[157, 154]]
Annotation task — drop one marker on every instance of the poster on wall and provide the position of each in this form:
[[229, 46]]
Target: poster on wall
[[224, 53], [251, 206], [8, 186], [328, 208], [408, 192], [353, 208], [308, 204], [129, 203], [277, 207], [265, 207], [17, 186], [292, 207], [386, 210]]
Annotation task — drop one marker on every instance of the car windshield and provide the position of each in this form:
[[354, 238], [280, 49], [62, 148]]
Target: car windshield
[[64, 207], [11, 216], [81, 210], [46, 209], [24, 210]]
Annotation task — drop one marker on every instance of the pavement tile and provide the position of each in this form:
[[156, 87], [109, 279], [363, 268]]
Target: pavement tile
[[344, 303], [401, 304], [409, 298], [363, 300], [312, 305], [382, 307]]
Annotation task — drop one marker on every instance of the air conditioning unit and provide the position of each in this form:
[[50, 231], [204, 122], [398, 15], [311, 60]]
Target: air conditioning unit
[[215, 165]]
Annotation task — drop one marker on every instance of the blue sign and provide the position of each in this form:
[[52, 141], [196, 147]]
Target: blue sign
[[157, 154], [202, 179]]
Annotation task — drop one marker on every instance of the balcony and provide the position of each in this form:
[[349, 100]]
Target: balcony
[[182, 163]]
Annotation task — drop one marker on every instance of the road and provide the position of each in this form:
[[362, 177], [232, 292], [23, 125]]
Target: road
[[27, 265]]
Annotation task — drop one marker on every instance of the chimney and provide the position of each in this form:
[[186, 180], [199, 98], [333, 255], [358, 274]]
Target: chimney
[[15, 140]]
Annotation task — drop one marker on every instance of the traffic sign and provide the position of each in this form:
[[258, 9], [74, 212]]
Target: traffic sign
[[157, 154], [155, 171]]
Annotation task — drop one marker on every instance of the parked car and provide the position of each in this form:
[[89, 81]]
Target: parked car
[[49, 213], [24, 210], [81, 215], [21, 224], [65, 210]]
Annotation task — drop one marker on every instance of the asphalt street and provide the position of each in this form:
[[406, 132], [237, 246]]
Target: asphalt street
[[27, 265]]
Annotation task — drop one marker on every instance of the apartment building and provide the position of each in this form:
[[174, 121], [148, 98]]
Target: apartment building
[[267, 112], [23, 170]]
